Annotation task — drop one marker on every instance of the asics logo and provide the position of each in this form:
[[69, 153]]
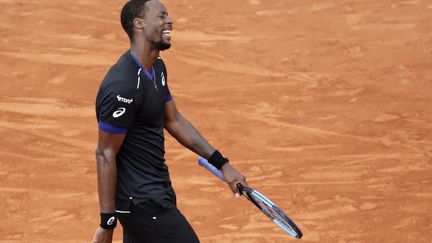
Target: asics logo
[[120, 111], [124, 100], [111, 220], [163, 79]]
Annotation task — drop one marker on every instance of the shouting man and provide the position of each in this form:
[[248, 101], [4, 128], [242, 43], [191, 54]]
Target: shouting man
[[133, 106]]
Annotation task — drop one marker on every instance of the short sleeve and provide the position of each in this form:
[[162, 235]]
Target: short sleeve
[[117, 106], [164, 79], [168, 96]]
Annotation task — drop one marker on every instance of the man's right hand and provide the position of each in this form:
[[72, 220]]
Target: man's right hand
[[232, 177], [103, 235]]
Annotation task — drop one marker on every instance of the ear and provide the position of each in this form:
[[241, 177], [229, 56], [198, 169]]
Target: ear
[[139, 23]]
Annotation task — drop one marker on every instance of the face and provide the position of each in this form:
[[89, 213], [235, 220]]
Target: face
[[157, 25]]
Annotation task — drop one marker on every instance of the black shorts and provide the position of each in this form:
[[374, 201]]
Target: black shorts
[[147, 223]]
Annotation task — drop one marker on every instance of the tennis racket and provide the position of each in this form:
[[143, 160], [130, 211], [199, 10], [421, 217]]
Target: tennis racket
[[260, 201]]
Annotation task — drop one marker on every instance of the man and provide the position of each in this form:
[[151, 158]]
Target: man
[[133, 106]]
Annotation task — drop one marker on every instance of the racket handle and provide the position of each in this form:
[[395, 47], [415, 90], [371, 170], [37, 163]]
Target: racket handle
[[203, 162]]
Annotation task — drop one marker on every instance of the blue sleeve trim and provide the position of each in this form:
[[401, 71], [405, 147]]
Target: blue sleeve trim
[[168, 98], [106, 127]]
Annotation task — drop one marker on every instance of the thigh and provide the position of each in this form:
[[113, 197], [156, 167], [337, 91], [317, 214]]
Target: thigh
[[133, 230], [175, 228], [168, 226], [129, 237]]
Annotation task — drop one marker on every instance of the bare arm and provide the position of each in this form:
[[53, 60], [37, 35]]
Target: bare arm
[[107, 149], [186, 134]]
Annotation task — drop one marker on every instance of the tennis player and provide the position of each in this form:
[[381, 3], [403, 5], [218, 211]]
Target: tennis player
[[133, 106]]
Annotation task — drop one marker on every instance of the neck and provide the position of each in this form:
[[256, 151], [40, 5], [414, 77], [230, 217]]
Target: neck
[[144, 52]]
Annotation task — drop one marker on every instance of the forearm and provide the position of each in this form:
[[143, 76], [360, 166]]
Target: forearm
[[187, 135], [107, 180]]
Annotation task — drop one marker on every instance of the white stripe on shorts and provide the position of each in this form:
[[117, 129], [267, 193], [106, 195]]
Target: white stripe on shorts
[[119, 211]]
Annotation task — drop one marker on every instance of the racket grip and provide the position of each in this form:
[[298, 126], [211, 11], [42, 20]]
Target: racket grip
[[203, 162]]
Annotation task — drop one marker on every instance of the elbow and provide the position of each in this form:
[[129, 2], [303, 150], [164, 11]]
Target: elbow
[[105, 157]]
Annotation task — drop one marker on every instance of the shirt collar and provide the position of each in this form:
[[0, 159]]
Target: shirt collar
[[150, 75]]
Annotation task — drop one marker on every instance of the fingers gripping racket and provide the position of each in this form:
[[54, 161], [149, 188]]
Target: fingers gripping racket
[[260, 201]]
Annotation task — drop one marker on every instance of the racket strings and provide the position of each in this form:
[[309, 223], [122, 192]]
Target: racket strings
[[272, 211], [272, 214]]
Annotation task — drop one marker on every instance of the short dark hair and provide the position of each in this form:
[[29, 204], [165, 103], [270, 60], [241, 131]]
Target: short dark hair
[[131, 10]]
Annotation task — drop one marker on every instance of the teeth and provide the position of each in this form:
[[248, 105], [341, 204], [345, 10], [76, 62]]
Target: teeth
[[166, 32]]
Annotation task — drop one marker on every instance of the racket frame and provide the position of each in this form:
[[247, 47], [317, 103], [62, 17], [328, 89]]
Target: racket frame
[[249, 194]]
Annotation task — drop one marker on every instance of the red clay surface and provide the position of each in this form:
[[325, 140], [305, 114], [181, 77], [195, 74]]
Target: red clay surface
[[324, 105]]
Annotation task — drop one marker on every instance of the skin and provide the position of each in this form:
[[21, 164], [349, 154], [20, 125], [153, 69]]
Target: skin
[[148, 41]]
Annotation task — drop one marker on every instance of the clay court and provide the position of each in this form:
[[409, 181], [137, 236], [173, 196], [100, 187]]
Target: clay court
[[324, 105]]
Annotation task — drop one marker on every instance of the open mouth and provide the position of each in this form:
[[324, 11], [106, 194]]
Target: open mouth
[[166, 33]]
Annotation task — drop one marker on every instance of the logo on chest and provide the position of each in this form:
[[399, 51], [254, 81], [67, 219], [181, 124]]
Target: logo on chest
[[163, 79], [124, 100]]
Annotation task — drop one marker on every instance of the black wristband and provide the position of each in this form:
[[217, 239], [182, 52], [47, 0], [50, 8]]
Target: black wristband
[[108, 220], [217, 160]]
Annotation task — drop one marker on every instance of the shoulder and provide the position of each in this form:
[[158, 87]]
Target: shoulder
[[121, 79], [160, 64], [160, 59], [122, 70], [120, 86], [115, 91]]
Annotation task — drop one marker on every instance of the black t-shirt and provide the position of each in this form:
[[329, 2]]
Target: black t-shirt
[[132, 101]]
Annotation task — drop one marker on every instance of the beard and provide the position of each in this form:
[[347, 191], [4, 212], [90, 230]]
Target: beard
[[162, 45]]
